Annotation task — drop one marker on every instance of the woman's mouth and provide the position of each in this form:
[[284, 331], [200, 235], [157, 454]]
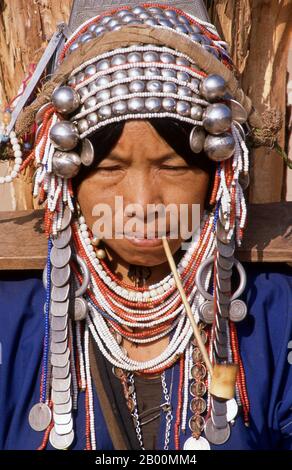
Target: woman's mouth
[[146, 240]]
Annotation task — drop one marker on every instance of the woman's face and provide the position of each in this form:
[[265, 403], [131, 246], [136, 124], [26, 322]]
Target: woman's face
[[144, 170]]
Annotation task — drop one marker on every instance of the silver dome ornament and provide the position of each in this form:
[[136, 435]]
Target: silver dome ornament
[[169, 87], [213, 87], [167, 58], [170, 13], [119, 108], [103, 81], [119, 75], [153, 105], [105, 20], [82, 126], [137, 86], [134, 57], [103, 95], [112, 23], [135, 72], [90, 102], [66, 164], [168, 73], [197, 139], [72, 81], [127, 18], [138, 10], [151, 22], [169, 104], [183, 108], [183, 61], [217, 118], [85, 38], [195, 82], [239, 114], [90, 70], [152, 72], [92, 119], [99, 30], [74, 47], [196, 112], [184, 91], [165, 22], [64, 135], [150, 56], [122, 13], [136, 105], [219, 148], [87, 153], [119, 90], [93, 87], [83, 92], [105, 112], [80, 77], [154, 86], [91, 28], [103, 64], [183, 76], [196, 29], [181, 28], [118, 59]]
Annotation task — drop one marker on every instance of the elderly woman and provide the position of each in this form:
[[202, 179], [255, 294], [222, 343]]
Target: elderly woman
[[144, 109]]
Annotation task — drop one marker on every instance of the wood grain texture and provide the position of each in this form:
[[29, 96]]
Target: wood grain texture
[[268, 237]]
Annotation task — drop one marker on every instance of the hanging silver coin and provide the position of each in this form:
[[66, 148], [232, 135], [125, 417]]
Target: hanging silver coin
[[62, 419], [60, 360], [80, 309], [61, 442], [63, 408], [238, 310], [60, 294], [225, 263], [61, 372], [40, 417], [244, 180], [59, 309], [216, 436], [60, 257], [41, 112], [61, 385], [223, 273], [206, 312], [225, 250], [219, 407], [87, 152], [58, 348], [60, 276], [59, 336], [196, 444], [219, 422], [59, 324], [221, 233], [63, 429], [63, 238], [66, 219], [232, 409], [60, 397], [239, 114], [197, 139]]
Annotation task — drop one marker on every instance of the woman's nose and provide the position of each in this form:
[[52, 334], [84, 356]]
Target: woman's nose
[[142, 190]]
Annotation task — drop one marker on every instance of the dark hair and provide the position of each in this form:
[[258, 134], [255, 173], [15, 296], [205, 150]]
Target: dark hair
[[174, 132]]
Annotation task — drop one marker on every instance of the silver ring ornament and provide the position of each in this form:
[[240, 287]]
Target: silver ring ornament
[[207, 295], [86, 276]]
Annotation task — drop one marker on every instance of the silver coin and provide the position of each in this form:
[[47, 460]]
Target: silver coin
[[63, 429], [226, 250], [60, 360], [63, 408], [60, 294], [232, 409], [40, 417], [224, 285], [221, 232], [60, 276], [244, 181], [239, 114], [59, 336], [87, 153], [60, 257], [41, 112], [219, 407], [61, 372], [221, 350], [60, 397], [196, 444], [206, 312], [59, 323], [238, 310], [216, 436], [66, 219], [63, 238], [220, 422], [80, 309], [59, 309], [223, 273], [225, 263], [58, 348], [62, 419], [61, 442], [61, 385]]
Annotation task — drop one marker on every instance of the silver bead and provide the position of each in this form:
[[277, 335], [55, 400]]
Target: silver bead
[[136, 21], [119, 108], [197, 139], [103, 81], [136, 105], [92, 87], [72, 81], [196, 112], [153, 104], [92, 119], [181, 28], [150, 56], [213, 87], [196, 29], [144, 16], [83, 92], [137, 72], [134, 57], [183, 108], [66, 165], [64, 135], [169, 87], [154, 86], [105, 112], [85, 38], [122, 13], [183, 19], [92, 28], [90, 70], [197, 37], [90, 102], [119, 90], [168, 73], [103, 64], [112, 23], [165, 22], [105, 20], [167, 58], [137, 86], [183, 76], [169, 104], [65, 100], [138, 10], [151, 22], [82, 126], [196, 83], [99, 30], [127, 18], [219, 148], [103, 95], [184, 91], [119, 75], [170, 13], [155, 10], [217, 118], [211, 50], [183, 61], [118, 59], [152, 72], [73, 47], [80, 77]]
